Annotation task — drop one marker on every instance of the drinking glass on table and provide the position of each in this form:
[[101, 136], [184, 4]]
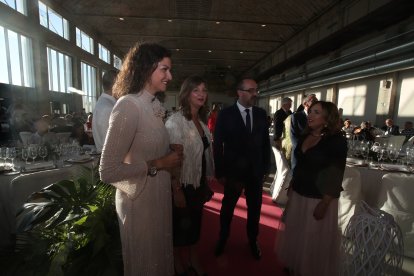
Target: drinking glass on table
[[33, 152], [382, 155], [393, 154], [43, 152], [11, 154], [25, 154]]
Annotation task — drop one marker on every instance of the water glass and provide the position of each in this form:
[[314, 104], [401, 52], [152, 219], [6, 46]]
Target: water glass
[[25, 154], [43, 152], [33, 152]]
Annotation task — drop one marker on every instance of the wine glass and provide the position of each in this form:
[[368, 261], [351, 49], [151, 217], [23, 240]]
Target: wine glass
[[11, 154], [3, 155], [364, 152], [25, 154], [33, 152], [43, 152], [382, 155], [393, 154]]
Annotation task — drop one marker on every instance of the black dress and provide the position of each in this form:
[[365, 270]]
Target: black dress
[[187, 220]]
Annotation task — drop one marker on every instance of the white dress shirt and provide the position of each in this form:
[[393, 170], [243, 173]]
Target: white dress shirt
[[244, 113], [100, 121]]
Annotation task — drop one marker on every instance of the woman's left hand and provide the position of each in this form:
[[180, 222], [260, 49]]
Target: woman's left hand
[[320, 210]]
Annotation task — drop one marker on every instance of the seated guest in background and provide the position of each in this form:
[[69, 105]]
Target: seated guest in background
[[189, 185], [390, 128], [408, 130], [42, 134], [79, 135], [348, 129], [309, 244], [364, 132]]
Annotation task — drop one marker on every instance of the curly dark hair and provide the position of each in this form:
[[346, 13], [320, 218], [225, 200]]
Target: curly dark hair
[[183, 98], [137, 68], [331, 115]]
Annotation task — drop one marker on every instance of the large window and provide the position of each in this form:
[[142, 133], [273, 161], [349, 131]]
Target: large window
[[84, 41], [88, 86], [104, 54], [18, 5], [60, 70], [16, 65], [117, 62], [53, 21]]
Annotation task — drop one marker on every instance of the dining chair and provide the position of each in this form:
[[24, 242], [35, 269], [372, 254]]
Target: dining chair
[[281, 179], [396, 141], [350, 197], [23, 186], [398, 189]]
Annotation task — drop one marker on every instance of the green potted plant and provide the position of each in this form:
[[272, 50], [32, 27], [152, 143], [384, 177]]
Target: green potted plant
[[68, 228]]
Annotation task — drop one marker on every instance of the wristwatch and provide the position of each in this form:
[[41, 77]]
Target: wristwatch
[[152, 171]]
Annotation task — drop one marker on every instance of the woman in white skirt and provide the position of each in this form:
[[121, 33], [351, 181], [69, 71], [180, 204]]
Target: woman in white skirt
[[309, 242]]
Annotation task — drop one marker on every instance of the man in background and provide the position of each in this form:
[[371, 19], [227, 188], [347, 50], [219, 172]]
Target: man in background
[[278, 121], [242, 160], [103, 109], [390, 128], [298, 124]]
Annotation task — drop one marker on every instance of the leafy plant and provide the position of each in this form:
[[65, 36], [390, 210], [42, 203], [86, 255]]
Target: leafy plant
[[68, 228]]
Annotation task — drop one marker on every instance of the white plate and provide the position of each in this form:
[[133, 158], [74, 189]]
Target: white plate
[[80, 160]]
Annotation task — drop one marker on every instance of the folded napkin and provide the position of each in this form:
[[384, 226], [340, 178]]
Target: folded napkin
[[40, 166]]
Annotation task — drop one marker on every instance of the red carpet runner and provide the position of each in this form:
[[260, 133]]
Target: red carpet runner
[[237, 259]]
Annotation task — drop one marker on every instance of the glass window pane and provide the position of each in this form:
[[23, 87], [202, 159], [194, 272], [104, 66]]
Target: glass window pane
[[21, 6], [16, 77], [54, 72], [4, 73], [61, 70], [55, 23], [27, 61], [68, 72], [78, 38], [43, 14]]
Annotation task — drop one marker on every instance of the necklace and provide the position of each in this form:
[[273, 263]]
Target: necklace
[[316, 135]]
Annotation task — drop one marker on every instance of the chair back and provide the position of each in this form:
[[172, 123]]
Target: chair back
[[281, 179], [350, 196], [25, 137], [63, 137], [396, 141], [398, 189]]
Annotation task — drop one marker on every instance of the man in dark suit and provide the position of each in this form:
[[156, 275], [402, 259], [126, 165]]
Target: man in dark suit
[[390, 128], [299, 121], [242, 160], [278, 121]]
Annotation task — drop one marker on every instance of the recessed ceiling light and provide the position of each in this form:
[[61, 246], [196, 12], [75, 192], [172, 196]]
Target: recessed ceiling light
[[177, 49], [241, 52], [170, 20], [218, 22], [209, 51], [121, 18], [263, 25]]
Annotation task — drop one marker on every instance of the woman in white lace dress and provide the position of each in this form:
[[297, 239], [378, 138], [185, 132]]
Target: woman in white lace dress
[[136, 159]]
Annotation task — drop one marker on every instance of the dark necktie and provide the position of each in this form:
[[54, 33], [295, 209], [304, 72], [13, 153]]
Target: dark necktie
[[248, 123]]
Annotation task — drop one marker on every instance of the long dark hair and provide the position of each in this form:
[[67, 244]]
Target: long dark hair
[[183, 98], [331, 115], [138, 66]]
